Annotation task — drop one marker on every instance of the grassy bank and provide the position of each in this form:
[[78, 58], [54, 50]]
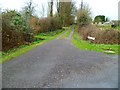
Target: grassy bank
[[39, 39], [68, 32], [84, 45], [66, 35]]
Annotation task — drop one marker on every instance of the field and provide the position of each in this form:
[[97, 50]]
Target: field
[[109, 27]]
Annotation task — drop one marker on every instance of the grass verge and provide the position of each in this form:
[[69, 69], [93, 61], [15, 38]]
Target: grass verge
[[15, 52], [84, 45], [67, 34]]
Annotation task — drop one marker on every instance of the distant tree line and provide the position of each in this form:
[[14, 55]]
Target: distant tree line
[[19, 28], [99, 18]]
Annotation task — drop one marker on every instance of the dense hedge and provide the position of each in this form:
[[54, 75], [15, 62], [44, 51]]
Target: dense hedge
[[49, 24], [34, 23], [15, 31]]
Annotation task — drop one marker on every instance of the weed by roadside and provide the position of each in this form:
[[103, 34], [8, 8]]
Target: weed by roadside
[[5, 56], [68, 32], [85, 45], [108, 36]]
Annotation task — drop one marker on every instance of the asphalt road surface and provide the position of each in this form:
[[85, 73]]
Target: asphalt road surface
[[58, 64]]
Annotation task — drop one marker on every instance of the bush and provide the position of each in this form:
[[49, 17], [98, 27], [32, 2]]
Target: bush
[[15, 31], [101, 36], [49, 24], [84, 15], [83, 19], [34, 23]]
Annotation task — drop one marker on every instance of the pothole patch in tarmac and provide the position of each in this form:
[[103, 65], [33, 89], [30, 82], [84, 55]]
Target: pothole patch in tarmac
[[66, 70]]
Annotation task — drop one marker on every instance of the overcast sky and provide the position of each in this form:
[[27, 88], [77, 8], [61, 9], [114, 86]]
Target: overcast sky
[[108, 8]]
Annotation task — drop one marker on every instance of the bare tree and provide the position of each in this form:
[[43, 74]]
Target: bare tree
[[58, 7], [42, 10], [81, 5], [65, 10], [28, 10], [83, 14], [50, 8]]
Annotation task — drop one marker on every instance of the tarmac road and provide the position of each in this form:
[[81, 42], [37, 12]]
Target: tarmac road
[[58, 64]]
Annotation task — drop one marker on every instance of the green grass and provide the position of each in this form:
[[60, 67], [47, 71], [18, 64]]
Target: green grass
[[109, 27], [15, 52], [117, 28], [67, 34], [84, 45]]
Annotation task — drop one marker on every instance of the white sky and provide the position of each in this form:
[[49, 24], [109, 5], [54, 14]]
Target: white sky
[[108, 8]]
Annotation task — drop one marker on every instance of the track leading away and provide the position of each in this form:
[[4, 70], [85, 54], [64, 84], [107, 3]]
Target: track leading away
[[58, 64]]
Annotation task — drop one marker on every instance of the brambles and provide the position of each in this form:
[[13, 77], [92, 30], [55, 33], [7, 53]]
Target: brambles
[[101, 36], [49, 24], [34, 24]]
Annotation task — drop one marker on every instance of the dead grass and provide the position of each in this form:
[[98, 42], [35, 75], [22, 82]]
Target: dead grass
[[108, 36]]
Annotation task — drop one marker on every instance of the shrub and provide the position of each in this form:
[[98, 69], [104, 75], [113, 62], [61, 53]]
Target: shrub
[[15, 31], [101, 36], [84, 15], [49, 24], [34, 23]]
